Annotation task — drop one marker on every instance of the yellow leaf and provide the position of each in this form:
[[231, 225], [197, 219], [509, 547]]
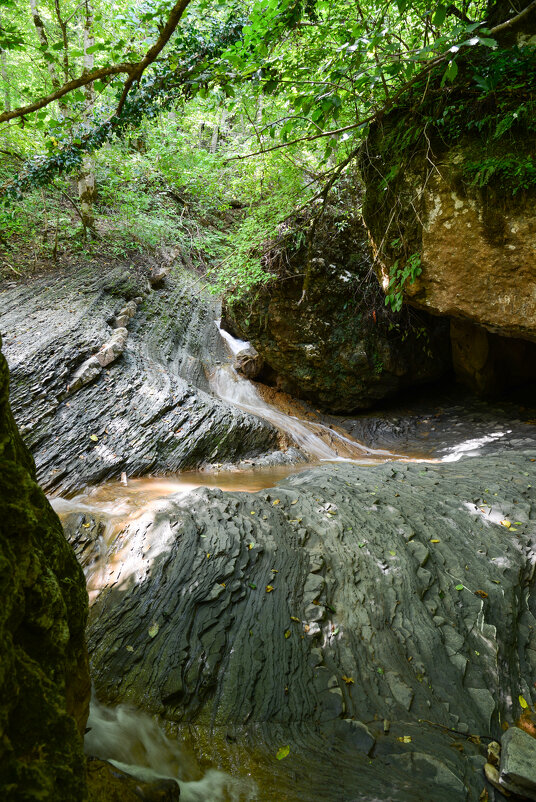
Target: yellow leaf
[[287, 633], [252, 512], [269, 588], [153, 630], [508, 524], [404, 739], [275, 502], [348, 680], [208, 555], [129, 648], [86, 526], [435, 540], [282, 752], [93, 437], [293, 618], [295, 501], [523, 702]]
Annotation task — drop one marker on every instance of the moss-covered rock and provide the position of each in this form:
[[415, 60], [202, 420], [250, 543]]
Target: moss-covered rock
[[323, 329], [44, 679]]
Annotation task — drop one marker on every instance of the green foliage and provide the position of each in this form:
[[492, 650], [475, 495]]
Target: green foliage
[[398, 276]]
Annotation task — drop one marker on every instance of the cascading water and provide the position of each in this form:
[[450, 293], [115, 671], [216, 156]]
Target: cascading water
[[133, 742], [315, 439]]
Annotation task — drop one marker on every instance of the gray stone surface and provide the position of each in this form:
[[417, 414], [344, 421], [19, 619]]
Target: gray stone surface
[[149, 409], [437, 651], [518, 763]]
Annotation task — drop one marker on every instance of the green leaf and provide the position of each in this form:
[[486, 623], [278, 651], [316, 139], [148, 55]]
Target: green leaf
[[440, 16], [282, 752], [459, 587]]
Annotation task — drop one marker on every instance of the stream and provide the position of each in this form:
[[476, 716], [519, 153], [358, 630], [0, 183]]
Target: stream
[[105, 522]]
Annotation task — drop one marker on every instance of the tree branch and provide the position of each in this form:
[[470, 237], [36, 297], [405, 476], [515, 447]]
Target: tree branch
[[133, 70]]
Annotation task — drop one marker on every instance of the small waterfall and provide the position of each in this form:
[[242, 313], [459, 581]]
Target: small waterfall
[[133, 742], [315, 439]]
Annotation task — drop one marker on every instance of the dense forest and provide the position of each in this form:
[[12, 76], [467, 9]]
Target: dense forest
[[267, 419]]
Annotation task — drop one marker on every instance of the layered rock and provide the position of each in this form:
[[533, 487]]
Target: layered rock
[[370, 619], [451, 189], [44, 679], [323, 329], [95, 399]]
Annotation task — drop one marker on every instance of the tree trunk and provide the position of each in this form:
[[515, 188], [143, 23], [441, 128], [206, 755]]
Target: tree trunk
[[86, 177]]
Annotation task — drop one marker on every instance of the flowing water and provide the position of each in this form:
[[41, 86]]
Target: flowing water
[[129, 738]]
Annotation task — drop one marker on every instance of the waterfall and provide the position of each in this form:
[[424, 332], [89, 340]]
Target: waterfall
[[316, 440]]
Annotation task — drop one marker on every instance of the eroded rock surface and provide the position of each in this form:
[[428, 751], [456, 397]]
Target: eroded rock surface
[[44, 679], [370, 618], [323, 329], [93, 403]]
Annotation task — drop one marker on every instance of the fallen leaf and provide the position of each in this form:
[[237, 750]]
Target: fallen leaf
[[295, 501], [269, 588], [153, 630], [93, 437], [252, 585], [459, 587], [276, 501], [508, 524], [252, 512], [348, 680], [392, 553], [208, 555], [86, 526], [129, 648], [481, 593], [282, 752], [306, 628], [523, 702], [250, 546], [293, 618], [404, 739], [435, 540], [287, 633]]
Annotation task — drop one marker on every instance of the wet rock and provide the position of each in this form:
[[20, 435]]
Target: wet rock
[[248, 362], [107, 783], [382, 639], [149, 406], [518, 763], [44, 679]]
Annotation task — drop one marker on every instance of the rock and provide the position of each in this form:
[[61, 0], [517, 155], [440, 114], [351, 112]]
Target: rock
[[469, 224], [386, 640], [328, 337], [494, 753], [157, 277], [113, 348], [121, 321], [44, 678], [107, 783], [85, 374], [151, 409], [248, 362], [518, 763]]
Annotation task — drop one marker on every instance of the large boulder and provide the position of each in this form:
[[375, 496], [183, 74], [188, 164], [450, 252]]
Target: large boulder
[[450, 206], [374, 621], [44, 679], [323, 329]]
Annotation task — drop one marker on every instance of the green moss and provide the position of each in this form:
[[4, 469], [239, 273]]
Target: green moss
[[44, 680]]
